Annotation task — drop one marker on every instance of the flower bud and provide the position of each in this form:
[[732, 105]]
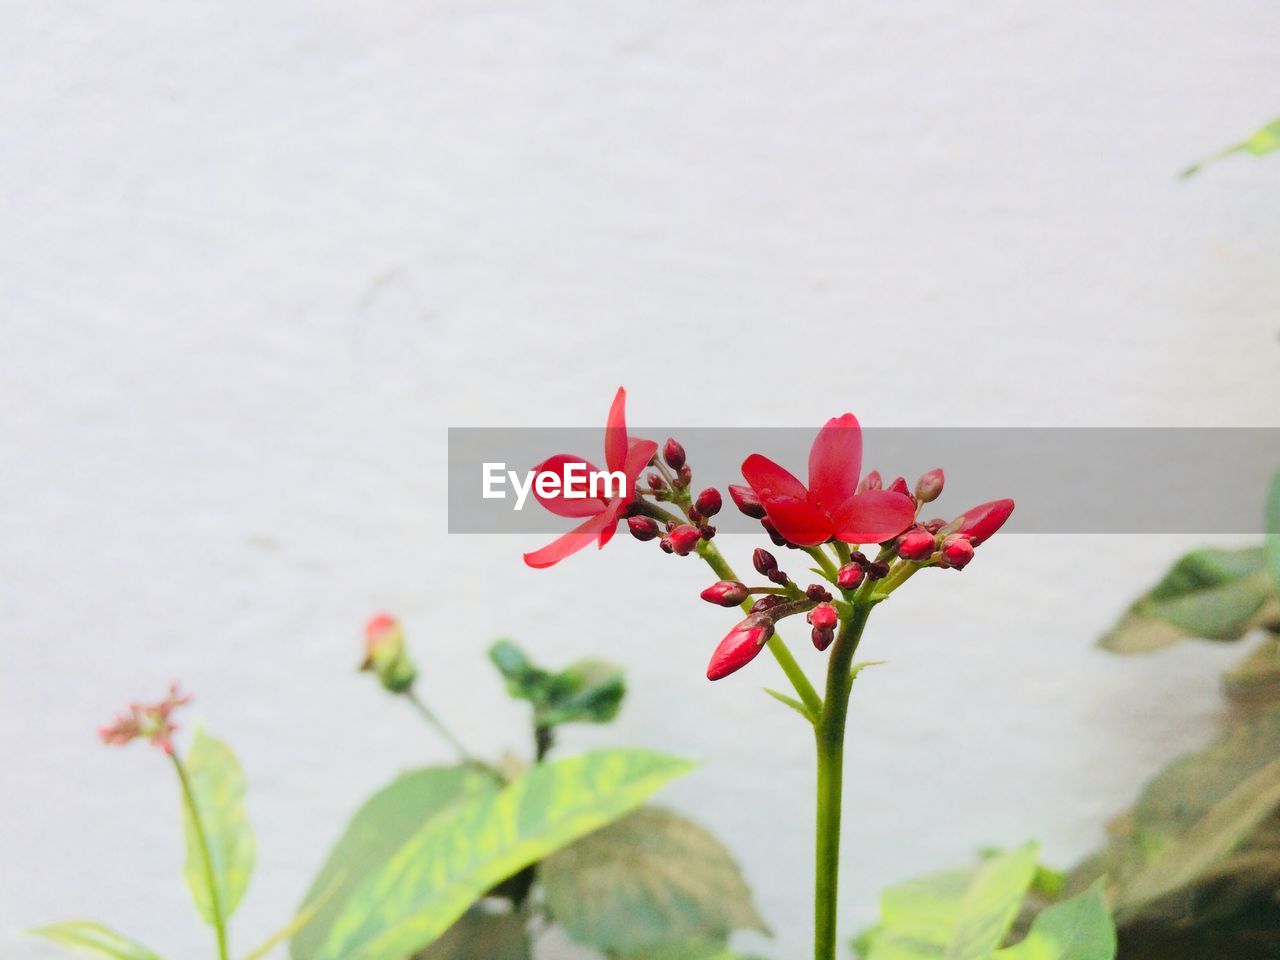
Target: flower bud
[[899, 485], [929, 486], [655, 482], [643, 528], [746, 500], [871, 481], [665, 544], [684, 476], [850, 575], [673, 453], [779, 577], [824, 615], [709, 502], [778, 539], [726, 593], [767, 602], [877, 571], [984, 520], [764, 561], [957, 551], [858, 557], [706, 531], [916, 545], [933, 526], [739, 647], [385, 654], [822, 638], [817, 591], [684, 538]]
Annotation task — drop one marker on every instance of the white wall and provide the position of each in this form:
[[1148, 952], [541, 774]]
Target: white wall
[[256, 257]]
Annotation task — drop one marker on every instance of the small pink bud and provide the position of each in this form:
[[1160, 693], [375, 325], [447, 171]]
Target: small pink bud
[[899, 485], [673, 453], [957, 551], [655, 482], [684, 476], [739, 647], [984, 520], [726, 593], [709, 502], [817, 591], [929, 486], [822, 638], [850, 575], [643, 528], [764, 561], [871, 481], [824, 615], [746, 500], [916, 545], [933, 526], [684, 538]]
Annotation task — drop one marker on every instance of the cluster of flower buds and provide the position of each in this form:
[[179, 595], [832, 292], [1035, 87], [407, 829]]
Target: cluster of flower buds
[[680, 538], [949, 545], [153, 722]]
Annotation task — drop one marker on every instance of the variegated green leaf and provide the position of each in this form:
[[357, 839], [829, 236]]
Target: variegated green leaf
[[991, 904], [444, 867], [380, 827], [218, 788], [89, 937], [1077, 929], [651, 877]]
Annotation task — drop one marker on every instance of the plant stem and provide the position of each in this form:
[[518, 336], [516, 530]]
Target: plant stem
[[202, 840], [439, 727], [829, 732]]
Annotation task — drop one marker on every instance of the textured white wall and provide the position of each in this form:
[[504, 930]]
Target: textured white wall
[[256, 257]]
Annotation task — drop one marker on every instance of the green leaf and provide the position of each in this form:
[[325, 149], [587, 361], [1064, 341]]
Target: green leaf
[[92, 937], [651, 877], [482, 935], [218, 788], [1263, 141], [991, 904], [385, 822], [1273, 531], [524, 680], [449, 863], [1077, 929], [1211, 594], [791, 702], [589, 691], [685, 950]]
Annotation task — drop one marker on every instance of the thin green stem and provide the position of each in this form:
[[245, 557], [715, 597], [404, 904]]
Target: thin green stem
[[829, 731], [438, 726], [202, 840], [824, 561]]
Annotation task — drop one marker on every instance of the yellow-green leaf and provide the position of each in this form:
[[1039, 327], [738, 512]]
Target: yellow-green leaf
[[1263, 141], [444, 867], [217, 787], [991, 903], [1077, 929], [89, 937]]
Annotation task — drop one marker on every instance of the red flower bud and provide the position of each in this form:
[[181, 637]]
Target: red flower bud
[[984, 520], [643, 528], [655, 482], [933, 526], [708, 503], [684, 538], [746, 500], [929, 486], [957, 551], [764, 561], [726, 593], [824, 615], [683, 477], [817, 591], [778, 576], [706, 531], [916, 545], [850, 575], [877, 571], [822, 638], [767, 602], [871, 481], [666, 546], [899, 485], [739, 647], [858, 557], [673, 453]]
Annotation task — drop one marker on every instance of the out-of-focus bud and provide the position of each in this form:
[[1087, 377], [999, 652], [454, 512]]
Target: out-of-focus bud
[[665, 544], [673, 453], [709, 502], [706, 531], [726, 593], [929, 486], [817, 591], [746, 500], [684, 476], [642, 528], [740, 646], [850, 575], [153, 722], [984, 520], [957, 551], [899, 485], [385, 654], [877, 571], [916, 545], [933, 526], [764, 561], [871, 481], [684, 538], [655, 482]]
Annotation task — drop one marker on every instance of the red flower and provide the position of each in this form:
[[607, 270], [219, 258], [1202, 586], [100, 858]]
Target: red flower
[[621, 453], [832, 505]]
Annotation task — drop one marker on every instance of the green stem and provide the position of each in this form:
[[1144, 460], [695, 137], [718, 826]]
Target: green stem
[[202, 839], [438, 726], [799, 682], [829, 732], [824, 561]]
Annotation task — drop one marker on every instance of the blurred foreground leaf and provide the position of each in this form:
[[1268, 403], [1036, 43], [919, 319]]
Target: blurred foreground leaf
[[218, 786], [89, 937], [1263, 141]]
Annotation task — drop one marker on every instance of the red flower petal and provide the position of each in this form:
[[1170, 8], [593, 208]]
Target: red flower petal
[[639, 453], [979, 523], [799, 521], [768, 479], [607, 532], [742, 645], [615, 432], [873, 516], [835, 461], [569, 543], [560, 505]]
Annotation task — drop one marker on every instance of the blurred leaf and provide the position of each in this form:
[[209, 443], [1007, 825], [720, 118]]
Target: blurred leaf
[[90, 937], [1273, 530], [450, 862], [1077, 929], [651, 877], [1256, 678], [380, 827], [482, 935], [1211, 594], [1263, 141], [991, 904], [524, 680], [218, 787], [294, 926], [685, 950], [589, 691]]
